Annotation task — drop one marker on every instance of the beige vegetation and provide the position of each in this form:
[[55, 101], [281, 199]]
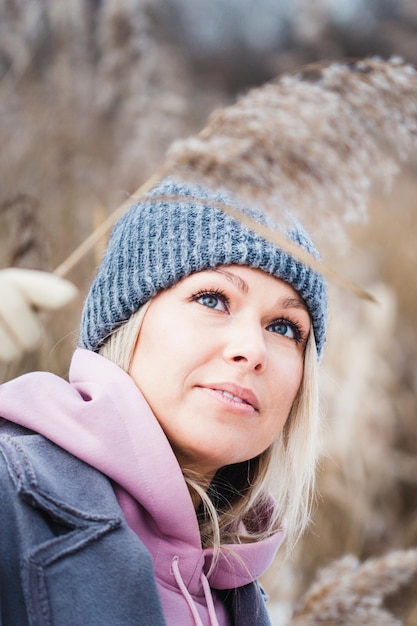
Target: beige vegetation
[[366, 503], [91, 97]]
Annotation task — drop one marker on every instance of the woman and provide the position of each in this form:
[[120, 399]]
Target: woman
[[157, 485]]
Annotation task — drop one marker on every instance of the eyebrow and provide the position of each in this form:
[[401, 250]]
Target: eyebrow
[[237, 281], [290, 302], [294, 303]]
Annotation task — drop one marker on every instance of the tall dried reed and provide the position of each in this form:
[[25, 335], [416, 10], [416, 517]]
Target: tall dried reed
[[367, 500], [348, 593], [89, 102], [314, 142]]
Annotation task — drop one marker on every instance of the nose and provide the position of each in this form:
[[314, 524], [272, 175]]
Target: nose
[[245, 345]]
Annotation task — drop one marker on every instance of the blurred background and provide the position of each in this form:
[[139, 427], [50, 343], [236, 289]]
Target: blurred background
[[92, 93]]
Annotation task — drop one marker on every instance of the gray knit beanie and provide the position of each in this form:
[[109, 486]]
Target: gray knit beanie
[[158, 242]]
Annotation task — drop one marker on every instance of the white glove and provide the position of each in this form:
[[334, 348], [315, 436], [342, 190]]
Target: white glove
[[22, 292]]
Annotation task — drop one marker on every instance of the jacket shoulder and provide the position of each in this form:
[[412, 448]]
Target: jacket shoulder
[[246, 605], [66, 553], [41, 472]]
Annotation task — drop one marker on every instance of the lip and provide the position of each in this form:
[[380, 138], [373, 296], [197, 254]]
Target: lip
[[246, 395]]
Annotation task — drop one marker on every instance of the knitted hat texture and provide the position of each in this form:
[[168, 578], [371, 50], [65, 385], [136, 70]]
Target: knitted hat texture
[[160, 241]]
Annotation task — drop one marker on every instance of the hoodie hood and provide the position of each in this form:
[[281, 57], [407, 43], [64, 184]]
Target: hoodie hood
[[101, 417]]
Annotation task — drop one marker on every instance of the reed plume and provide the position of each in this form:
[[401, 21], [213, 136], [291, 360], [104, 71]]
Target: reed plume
[[314, 142], [349, 593]]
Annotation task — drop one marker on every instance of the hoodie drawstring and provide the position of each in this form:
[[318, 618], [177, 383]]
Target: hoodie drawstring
[[187, 596], [209, 600]]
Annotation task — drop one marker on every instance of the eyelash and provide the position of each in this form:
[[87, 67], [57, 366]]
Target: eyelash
[[218, 293], [299, 334]]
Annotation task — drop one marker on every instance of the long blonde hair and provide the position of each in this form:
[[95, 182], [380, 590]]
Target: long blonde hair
[[285, 471]]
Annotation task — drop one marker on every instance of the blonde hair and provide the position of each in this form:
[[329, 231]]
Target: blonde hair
[[286, 470]]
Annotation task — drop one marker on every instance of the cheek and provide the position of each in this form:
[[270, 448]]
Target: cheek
[[297, 377], [284, 396], [285, 381], [165, 351]]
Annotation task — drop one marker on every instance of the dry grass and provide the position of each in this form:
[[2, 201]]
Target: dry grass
[[89, 102], [309, 142], [367, 498], [348, 593], [305, 143]]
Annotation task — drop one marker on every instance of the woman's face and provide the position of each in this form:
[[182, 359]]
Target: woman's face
[[220, 360]]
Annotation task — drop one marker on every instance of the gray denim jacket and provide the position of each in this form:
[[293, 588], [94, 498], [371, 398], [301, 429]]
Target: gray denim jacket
[[67, 556]]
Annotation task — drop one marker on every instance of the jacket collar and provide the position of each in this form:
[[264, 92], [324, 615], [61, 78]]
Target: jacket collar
[[49, 478]]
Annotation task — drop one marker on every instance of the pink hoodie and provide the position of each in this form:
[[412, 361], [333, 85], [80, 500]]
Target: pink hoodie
[[101, 417]]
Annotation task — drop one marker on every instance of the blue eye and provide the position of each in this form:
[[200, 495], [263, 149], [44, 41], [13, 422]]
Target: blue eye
[[212, 300], [286, 328]]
